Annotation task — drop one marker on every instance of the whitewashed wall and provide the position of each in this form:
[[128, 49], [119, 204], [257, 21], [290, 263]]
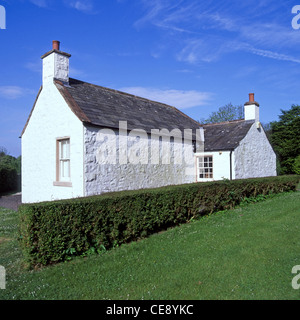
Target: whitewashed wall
[[221, 165], [254, 157], [107, 174], [51, 119]]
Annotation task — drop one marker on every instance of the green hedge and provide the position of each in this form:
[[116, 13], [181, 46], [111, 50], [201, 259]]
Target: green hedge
[[52, 232], [8, 179]]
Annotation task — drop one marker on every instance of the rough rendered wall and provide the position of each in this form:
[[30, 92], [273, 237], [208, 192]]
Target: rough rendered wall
[[254, 157], [139, 172]]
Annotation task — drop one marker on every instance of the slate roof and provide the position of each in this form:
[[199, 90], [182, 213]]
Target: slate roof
[[104, 107], [225, 135]]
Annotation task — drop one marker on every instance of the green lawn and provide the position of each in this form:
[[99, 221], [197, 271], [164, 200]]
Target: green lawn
[[246, 253]]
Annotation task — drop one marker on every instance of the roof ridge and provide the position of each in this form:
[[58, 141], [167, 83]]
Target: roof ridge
[[224, 122]]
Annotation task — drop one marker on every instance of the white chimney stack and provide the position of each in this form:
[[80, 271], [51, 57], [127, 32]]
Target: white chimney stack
[[55, 65], [251, 109]]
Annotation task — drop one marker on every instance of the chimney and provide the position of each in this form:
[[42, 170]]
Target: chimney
[[251, 109], [55, 45], [55, 65]]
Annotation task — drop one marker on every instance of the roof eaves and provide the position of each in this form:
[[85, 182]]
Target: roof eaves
[[218, 149]]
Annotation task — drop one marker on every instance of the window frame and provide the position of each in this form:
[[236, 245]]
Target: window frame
[[60, 181], [209, 175]]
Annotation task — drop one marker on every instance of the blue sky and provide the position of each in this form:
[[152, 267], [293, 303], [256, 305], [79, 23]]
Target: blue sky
[[195, 55]]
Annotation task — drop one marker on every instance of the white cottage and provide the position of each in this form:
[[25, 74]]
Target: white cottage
[[236, 149], [82, 139]]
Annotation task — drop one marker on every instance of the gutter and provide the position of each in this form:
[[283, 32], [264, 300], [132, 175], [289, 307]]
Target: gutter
[[230, 157]]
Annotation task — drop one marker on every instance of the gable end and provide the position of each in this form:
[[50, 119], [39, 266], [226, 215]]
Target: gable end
[[36, 99], [71, 102]]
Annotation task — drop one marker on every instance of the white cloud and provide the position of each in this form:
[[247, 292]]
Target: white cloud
[[185, 71], [200, 50], [34, 66], [205, 31], [217, 21], [274, 55], [40, 3], [271, 54], [74, 72], [14, 92], [154, 8], [180, 99], [270, 35], [86, 6]]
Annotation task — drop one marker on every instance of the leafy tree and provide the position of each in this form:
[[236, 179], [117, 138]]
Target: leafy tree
[[267, 128], [10, 162], [296, 165], [3, 152], [10, 167], [228, 112], [284, 138]]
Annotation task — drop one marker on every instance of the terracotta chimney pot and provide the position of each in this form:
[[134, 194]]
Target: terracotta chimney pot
[[56, 45]]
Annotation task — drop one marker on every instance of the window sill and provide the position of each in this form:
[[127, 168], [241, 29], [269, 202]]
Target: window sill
[[205, 180], [62, 184]]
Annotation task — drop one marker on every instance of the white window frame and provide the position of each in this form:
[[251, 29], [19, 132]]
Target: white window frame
[[205, 167], [63, 161]]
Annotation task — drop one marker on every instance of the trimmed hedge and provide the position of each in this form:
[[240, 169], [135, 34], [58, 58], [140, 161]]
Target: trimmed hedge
[[51, 232]]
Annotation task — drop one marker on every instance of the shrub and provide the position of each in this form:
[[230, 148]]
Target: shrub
[[53, 231], [296, 165], [8, 179]]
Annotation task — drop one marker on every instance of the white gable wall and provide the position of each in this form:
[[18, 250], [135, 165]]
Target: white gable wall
[[51, 119], [254, 157]]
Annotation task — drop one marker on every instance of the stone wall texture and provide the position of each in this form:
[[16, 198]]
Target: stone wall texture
[[254, 157], [106, 171]]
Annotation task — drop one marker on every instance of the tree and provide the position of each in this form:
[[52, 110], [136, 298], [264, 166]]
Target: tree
[[284, 137], [10, 168], [296, 165], [3, 152], [11, 162], [228, 112]]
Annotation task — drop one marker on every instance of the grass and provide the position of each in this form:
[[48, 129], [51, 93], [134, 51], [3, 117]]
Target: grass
[[246, 253]]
